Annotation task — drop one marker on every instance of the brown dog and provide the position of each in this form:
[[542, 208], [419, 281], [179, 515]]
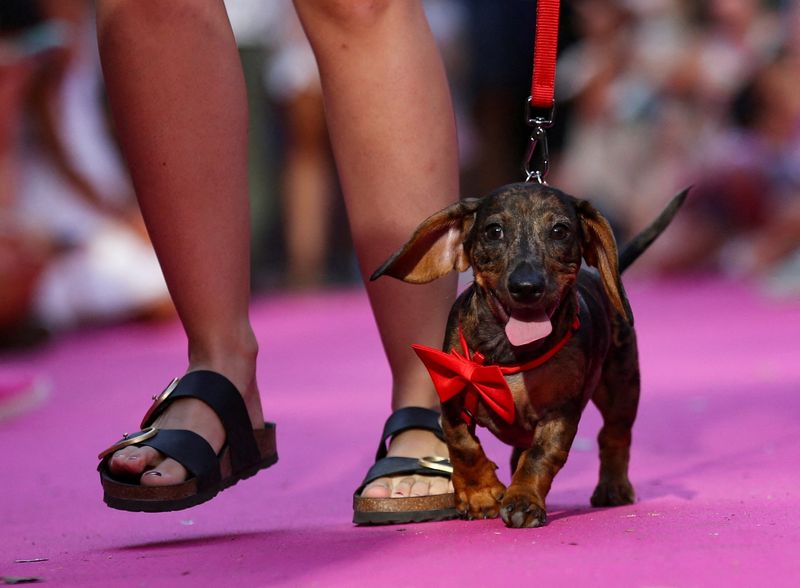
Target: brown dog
[[531, 341]]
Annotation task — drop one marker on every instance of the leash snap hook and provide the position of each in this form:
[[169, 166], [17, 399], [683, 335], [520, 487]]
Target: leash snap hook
[[536, 167]]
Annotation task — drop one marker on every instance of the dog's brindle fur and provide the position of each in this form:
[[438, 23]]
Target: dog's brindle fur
[[525, 243]]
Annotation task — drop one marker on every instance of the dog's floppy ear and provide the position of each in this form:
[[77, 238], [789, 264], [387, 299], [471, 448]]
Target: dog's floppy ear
[[600, 251], [435, 248]]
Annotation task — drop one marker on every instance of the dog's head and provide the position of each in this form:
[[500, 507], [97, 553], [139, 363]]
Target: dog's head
[[524, 243]]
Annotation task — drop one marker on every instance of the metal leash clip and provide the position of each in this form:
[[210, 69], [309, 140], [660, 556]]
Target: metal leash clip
[[536, 167]]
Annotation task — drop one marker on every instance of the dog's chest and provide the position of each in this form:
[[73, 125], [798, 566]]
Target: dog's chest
[[536, 394]]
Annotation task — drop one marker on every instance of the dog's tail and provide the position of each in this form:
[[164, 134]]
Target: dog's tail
[[643, 240]]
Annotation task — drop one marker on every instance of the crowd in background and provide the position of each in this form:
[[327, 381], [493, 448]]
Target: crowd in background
[[73, 249], [653, 96], [665, 94]]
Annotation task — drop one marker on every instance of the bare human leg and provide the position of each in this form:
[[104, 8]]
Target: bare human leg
[[177, 94], [393, 134]]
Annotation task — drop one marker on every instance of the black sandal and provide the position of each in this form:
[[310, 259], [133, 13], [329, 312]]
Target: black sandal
[[412, 509], [246, 450]]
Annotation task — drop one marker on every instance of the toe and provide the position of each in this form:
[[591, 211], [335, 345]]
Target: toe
[[440, 486], [380, 488], [134, 460], [406, 486], [421, 487], [402, 487], [167, 473]]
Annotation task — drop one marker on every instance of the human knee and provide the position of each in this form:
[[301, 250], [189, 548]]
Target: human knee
[[348, 14]]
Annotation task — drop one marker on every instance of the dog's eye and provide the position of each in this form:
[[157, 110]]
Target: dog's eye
[[493, 232], [559, 232]]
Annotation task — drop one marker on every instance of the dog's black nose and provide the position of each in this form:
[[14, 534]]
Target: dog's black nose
[[525, 284]]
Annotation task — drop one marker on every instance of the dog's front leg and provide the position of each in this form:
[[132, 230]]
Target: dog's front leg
[[524, 502], [477, 489]]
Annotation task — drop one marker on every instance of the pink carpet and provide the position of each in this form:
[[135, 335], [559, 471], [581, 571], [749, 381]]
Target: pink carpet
[[716, 463]]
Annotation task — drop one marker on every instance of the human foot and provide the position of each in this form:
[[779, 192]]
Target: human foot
[[412, 443], [409, 481], [235, 447], [155, 469]]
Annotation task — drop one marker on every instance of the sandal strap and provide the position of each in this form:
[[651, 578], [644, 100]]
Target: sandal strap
[[191, 451], [404, 419], [219, 393], [398, 466]]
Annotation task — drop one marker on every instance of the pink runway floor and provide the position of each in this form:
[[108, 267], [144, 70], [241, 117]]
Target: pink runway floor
[[716, 463]]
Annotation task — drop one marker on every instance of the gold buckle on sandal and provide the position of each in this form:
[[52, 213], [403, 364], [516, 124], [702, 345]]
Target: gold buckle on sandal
[[440, 464], [158, 399], [127, 440]]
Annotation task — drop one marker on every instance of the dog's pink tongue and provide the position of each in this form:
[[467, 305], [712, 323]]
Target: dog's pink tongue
[[521, 332]]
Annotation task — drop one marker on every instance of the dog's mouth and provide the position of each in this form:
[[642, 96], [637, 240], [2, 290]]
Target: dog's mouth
[[526, 327], [522, 326]]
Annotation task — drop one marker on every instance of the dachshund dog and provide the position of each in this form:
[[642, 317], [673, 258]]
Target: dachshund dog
[[530, 341]]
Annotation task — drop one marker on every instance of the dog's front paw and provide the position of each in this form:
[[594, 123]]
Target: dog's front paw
[[521, 510], [613, 493], [480, 502]]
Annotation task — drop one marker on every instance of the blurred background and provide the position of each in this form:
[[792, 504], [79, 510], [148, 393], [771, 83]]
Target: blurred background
[[652, 96]]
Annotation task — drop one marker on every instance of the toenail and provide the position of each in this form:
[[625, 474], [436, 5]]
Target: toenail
[[153, 473]]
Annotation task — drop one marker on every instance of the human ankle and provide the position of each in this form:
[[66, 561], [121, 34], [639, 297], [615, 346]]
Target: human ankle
[[417, 443], [415, 390], [234, 358]]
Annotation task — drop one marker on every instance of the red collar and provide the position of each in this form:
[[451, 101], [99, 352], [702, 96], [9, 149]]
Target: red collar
[[454, 373]]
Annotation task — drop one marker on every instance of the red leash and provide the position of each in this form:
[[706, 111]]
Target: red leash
[[544, 54], [542, 90]]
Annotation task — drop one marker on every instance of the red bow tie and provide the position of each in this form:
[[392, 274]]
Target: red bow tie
[[453, 373]]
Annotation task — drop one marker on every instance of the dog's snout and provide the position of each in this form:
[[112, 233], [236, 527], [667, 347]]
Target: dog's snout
[[525, 284]]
